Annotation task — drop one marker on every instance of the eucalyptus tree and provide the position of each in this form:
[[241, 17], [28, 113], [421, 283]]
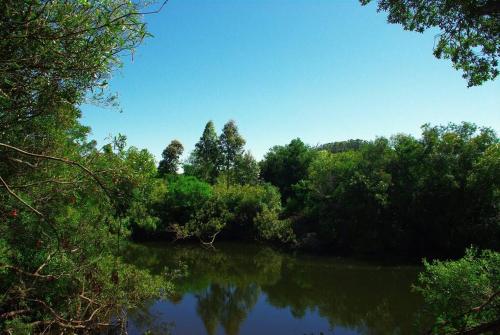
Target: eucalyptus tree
[[171, 158], [206, 157], [231, 145]]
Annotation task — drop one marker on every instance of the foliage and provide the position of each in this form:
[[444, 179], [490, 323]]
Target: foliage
[[170, 162], [463, 296], [347, 192], [222, 158], [65, 205], [469, 31], [209, 220], [342, 146], [254, 212], [246, 169], [206, 157], [193, 208], [53, 53], [50, 272], [430, 196], [270, 228], [231, 148], [184, 196], [284, 166], [148, 191]]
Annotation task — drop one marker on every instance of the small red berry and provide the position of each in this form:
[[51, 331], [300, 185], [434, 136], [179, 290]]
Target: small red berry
[[13, 213]]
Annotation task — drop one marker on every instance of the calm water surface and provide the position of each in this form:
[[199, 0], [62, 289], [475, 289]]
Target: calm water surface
[[249, 289]]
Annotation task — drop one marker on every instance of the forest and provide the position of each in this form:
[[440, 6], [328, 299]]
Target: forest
[[70, 206], [432, 196]]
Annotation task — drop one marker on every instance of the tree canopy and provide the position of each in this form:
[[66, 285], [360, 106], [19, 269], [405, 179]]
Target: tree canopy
[[469, 31], [284, 166], [206, 157], [171, 158], [231, 147]]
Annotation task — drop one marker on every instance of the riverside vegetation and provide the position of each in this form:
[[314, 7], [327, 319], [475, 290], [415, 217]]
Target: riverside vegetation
[[68, 206]]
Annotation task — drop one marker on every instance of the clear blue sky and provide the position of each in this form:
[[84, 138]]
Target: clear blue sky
[[320, 70]]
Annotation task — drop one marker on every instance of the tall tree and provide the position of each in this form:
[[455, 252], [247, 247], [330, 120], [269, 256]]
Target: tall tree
[[171, 156], [246, 169], [205, 158], [231, 147], [470, 31]]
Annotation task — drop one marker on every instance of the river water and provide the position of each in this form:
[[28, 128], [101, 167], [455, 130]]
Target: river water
[[255, 290]]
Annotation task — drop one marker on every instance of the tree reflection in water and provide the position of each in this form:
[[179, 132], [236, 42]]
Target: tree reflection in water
[[226, 285], [227, 305]]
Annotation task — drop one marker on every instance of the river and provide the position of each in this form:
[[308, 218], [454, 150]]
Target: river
[[250, 289]]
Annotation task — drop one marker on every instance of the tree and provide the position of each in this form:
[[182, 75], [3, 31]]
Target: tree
[[246, 169], [170, 162], [231, 147], [463, 296], [64, 203], [432, 196], [470, 31], [185, 196], [284, 166], [254, 212], [205, 159]]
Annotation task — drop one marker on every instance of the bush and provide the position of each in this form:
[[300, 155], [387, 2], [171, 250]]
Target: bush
[[209, 220], [250, 206], [270, 228], [185, 195], [193, 209]]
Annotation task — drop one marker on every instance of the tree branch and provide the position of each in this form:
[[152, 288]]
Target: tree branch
[[63, 160], [33, 209]]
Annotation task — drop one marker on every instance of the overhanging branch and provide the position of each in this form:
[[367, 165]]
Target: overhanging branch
[[58, 159]]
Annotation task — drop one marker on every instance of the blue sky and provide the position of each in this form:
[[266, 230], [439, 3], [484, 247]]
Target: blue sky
[[321, 70]]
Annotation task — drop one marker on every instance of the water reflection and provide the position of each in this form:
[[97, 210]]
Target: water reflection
[[227, 305], [248, 289]]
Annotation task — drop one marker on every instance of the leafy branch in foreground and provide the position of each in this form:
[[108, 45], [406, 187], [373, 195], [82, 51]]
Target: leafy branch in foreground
[[463, 296], [469, 31], [60, 264]]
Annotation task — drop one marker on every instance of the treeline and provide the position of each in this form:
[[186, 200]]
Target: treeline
[[220, 192], [429, 196]]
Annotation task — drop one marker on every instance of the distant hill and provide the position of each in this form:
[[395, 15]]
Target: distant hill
[[342, 146]]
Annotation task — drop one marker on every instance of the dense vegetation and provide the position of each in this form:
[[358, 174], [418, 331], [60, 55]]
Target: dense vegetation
[[463, 296], [219, 192], [67, 205], [430, 196]]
